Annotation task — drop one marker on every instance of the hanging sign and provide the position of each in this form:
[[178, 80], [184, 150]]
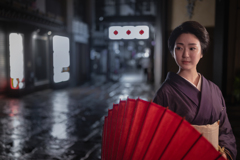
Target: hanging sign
[[128, 32]]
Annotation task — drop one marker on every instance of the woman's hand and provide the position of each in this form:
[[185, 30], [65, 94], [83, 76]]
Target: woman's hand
[[224, 155]]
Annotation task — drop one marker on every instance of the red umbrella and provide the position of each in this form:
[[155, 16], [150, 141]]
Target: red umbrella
[[141, 130]]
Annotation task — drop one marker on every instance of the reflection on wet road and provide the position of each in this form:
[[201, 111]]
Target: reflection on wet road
[[63, 124]]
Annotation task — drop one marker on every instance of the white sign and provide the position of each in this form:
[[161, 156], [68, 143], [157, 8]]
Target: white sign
[[128, 32], [61, 59], [16, 61]]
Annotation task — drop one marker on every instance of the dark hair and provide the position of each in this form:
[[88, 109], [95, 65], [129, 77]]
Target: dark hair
[[194, 28]]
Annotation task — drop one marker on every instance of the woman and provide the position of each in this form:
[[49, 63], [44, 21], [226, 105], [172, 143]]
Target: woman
[[188, 93]]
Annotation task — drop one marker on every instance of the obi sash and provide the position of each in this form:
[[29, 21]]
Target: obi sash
[[210, 132]]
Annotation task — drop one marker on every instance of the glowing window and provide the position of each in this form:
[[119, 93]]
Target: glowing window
[[128, 32], [16, 61], [61, 61]]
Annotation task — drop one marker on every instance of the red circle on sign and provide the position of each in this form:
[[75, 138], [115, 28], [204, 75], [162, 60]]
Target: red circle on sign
[[128, 32], [141, 32], [115, 32]]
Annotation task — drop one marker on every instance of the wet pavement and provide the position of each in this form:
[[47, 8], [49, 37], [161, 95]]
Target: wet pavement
[[64, 124], [67, 124]]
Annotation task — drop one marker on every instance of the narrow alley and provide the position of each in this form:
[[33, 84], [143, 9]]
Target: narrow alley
[[64, 63], [64, 124]]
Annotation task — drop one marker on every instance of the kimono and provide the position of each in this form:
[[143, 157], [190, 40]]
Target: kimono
[[198, 107]]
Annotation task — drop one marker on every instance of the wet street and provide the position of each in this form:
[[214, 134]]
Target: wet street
[[67, 124], [64, 124]]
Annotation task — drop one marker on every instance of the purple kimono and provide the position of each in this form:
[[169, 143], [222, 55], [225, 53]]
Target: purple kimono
[[198, 107]]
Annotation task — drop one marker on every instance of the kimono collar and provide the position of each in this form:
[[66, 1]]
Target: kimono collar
[[204, 112], [198, 86], [185, 87]]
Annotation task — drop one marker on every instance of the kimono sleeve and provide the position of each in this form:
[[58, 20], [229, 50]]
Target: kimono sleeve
[[226, 137]]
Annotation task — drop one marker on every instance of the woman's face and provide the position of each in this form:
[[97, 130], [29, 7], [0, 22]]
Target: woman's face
[[187, 51]]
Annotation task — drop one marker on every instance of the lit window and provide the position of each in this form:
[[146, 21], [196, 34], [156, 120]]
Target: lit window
[[61, 60], [16, 61]]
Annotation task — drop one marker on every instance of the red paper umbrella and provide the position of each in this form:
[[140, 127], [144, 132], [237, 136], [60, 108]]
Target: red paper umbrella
[[141, 130]]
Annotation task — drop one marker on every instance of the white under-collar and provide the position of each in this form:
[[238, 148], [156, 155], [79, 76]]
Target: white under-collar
[[199, 84]]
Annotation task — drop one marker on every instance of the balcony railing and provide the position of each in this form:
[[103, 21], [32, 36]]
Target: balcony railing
[[129, 8]]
